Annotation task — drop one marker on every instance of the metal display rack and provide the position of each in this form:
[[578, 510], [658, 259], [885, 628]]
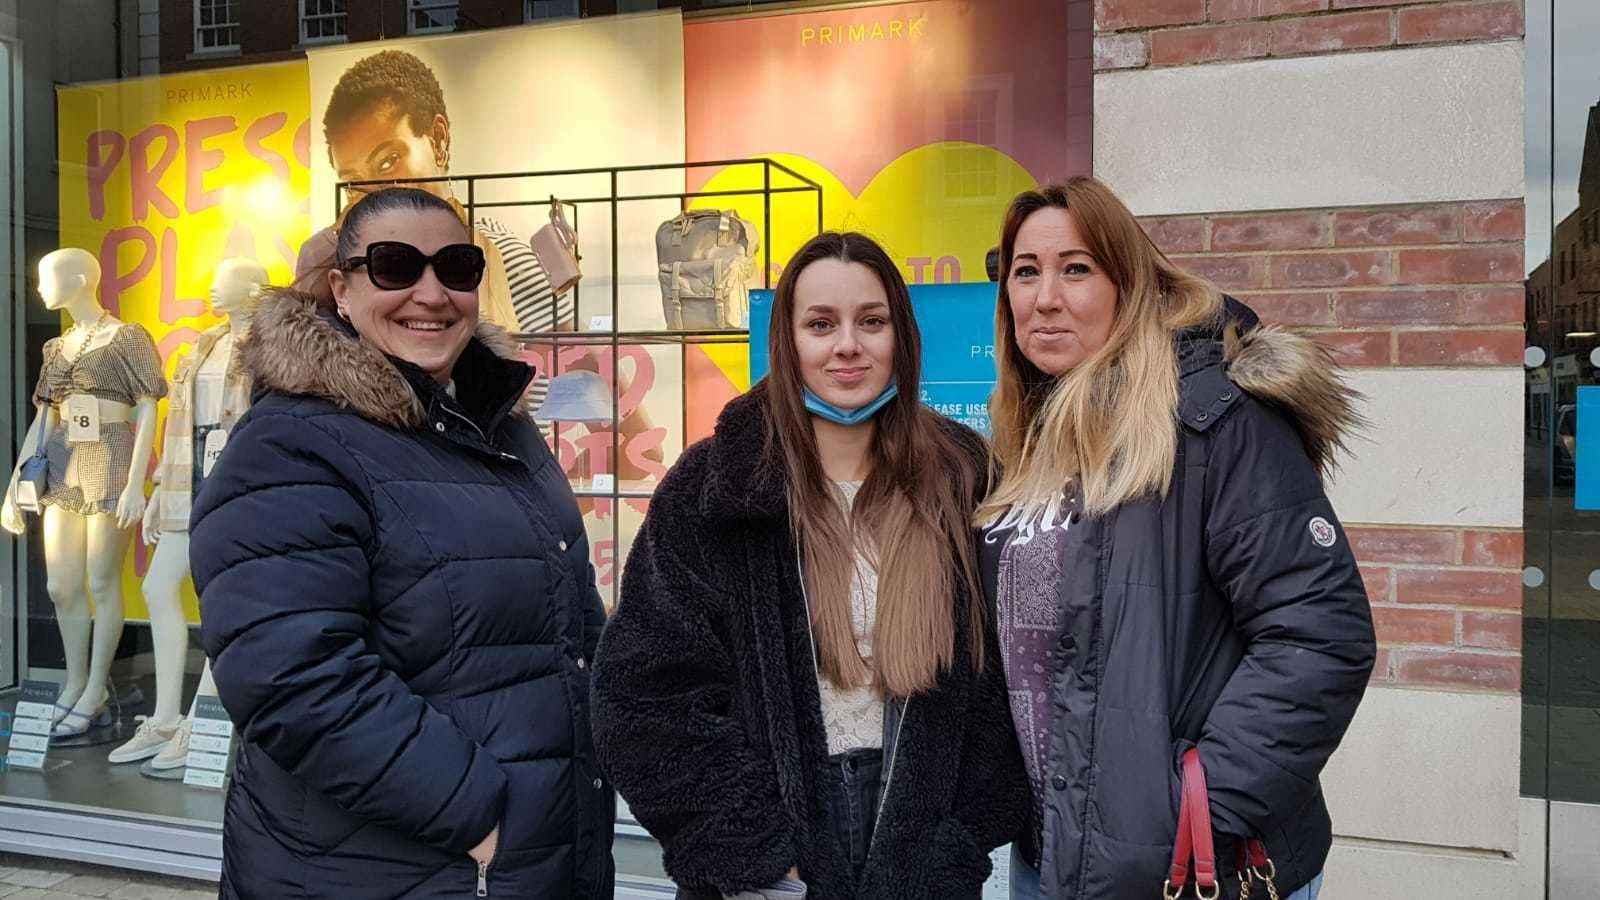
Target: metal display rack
[[776, 180]]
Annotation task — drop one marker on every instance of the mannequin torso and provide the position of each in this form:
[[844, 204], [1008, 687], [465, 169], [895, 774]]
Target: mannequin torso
[[209, 393], [106, 373]]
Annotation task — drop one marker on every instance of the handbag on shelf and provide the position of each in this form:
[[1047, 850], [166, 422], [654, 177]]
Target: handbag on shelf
[[556, 246]]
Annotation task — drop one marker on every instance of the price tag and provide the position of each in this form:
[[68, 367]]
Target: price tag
[[38, 743], [203, 778], [26, 710], [24, 759], [27, 496], [209, 744], [83, 419], [215, 441], [216, 762], [31, 724], [206, 743], [599, 323], [220, 729], [603, 482]]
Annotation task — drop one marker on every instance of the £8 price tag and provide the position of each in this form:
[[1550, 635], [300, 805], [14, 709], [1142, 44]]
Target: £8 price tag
[[83, 419]]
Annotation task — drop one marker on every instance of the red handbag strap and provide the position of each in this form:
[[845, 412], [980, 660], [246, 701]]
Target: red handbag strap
[[1254, 854], [1194, 838]]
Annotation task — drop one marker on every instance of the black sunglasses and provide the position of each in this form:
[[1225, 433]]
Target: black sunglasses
[[396, 265]]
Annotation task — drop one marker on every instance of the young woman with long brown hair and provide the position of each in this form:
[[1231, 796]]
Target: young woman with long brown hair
[[798, 692], [1166, 569]]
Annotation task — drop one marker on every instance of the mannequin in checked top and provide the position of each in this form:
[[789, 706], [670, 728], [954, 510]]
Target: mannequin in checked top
[[107, 374], [209, 393]]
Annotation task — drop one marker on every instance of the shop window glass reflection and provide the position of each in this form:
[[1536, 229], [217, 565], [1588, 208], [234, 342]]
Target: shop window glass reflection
[[216, 25], [430, 17], [323, 20]]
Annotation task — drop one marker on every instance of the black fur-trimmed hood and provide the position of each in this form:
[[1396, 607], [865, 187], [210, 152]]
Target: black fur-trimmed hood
[[1288, 371], [295, 347]]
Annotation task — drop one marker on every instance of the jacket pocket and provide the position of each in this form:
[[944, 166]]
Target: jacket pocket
[[1136, 787]]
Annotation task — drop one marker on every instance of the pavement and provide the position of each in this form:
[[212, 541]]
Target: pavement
[[35, 878]]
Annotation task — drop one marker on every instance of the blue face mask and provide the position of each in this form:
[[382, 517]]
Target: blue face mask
[[823, 409]]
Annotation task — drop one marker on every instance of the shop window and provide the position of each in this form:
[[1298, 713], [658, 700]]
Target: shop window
[[539, 10], [323, 20], [216, 25], [430, 16]]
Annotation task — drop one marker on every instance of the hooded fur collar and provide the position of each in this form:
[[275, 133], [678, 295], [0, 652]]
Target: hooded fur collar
[[1300, 378], [295, 348]]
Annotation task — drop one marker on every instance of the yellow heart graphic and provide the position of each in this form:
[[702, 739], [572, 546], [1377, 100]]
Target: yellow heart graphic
[[937, 210]]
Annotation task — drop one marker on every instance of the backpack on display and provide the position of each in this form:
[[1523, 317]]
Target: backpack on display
[[707, 261]]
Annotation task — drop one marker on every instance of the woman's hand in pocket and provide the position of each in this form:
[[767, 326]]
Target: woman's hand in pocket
[[483, 854]]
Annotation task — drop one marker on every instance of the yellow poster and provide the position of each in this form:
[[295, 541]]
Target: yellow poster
[[164, 177]]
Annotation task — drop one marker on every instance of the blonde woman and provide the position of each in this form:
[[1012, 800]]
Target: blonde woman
[[1166, 569]]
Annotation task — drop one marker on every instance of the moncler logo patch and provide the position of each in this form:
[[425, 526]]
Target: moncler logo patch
[[1322, 532]]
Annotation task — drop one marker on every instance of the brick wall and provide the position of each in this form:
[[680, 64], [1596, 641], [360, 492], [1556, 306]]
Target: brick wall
[[1132, 34], [1447, 604], [1432, 285], [1421, 285]]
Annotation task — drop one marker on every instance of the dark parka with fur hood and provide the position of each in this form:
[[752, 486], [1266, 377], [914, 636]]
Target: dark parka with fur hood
[[398, 605], [1227, 615], [708, 718]]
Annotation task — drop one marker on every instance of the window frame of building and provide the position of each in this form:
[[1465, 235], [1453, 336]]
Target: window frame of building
[[342, 14], [530, 10], [413, 7], [200, 30]]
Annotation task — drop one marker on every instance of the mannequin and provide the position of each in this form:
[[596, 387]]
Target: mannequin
[[208, 394], [108, 373]]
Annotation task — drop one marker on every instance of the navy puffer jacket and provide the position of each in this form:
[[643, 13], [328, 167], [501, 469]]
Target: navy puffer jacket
[[399, 608], [1227, 615]]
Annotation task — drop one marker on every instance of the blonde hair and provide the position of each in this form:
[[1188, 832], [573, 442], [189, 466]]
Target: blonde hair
[[1110, 424]]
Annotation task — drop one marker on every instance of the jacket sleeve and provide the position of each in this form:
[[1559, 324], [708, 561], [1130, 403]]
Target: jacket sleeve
[[664, 719], [992, 791], [280, 551], [1275, 550]]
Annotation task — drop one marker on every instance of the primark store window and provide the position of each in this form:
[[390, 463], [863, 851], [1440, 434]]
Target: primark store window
[[170, 159]]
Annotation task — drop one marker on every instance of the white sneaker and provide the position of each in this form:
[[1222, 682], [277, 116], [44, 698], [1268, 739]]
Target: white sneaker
[[175, 755], [146, 742]]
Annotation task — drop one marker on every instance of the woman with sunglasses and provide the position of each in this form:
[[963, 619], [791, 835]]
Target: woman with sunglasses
[[396, 594]]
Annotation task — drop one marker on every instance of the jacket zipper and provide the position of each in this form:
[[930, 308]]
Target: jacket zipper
[[471, 424], [888, 778], [481, 436], [483, 871], [905, 705]]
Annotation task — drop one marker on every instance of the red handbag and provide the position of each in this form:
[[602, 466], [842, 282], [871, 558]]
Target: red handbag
[[1195, 842]]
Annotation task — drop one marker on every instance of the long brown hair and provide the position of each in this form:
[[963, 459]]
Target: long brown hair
[[1110, 424], [911, 517]]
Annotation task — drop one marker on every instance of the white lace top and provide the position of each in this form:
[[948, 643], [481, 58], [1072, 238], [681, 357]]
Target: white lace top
[[854, 718]]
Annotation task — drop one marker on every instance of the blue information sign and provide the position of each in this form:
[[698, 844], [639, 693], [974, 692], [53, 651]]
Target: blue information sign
[[957, 323], [1584, 448]]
